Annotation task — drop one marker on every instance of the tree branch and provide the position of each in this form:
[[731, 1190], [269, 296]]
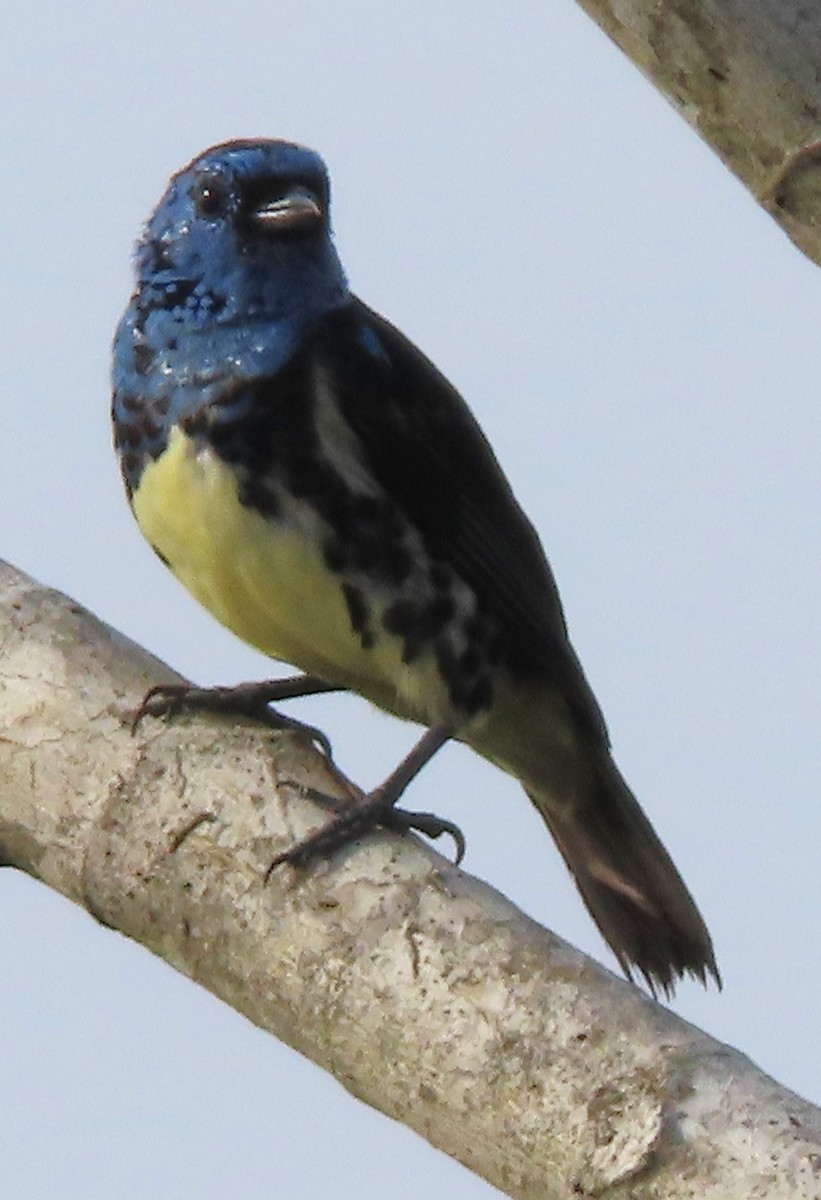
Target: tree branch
[[425, 993], [745, 75]]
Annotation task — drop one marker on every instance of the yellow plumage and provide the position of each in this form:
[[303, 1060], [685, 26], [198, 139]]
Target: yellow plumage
[[268, 582]]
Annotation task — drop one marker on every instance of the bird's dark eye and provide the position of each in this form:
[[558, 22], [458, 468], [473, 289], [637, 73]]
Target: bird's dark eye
[[210, 194]]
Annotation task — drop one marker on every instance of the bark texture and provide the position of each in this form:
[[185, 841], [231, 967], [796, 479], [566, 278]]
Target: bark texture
[[745, 74], [425, 993]]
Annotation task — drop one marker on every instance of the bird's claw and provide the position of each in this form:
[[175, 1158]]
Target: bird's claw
[[368, 814], [163, 700], [430, 825]]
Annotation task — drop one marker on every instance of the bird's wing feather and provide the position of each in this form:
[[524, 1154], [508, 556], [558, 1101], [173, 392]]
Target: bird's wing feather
[[426, 450]]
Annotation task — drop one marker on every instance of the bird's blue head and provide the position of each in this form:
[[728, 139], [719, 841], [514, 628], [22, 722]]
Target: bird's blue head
[[234, 267], [242, 233]]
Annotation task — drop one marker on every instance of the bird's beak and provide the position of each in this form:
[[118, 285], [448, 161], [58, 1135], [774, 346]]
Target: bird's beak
[[297, 209]]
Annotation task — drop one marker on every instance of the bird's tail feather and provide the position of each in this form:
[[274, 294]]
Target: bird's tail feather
[[629, 883]]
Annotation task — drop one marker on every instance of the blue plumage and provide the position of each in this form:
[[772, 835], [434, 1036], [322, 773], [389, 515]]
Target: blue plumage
[[211, 310]]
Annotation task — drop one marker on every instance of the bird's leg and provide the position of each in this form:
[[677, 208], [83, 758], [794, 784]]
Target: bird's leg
[[379, 808], [243, 699]]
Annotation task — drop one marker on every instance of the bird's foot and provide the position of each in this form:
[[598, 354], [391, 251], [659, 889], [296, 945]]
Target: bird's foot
[[377, 809], [251, 700]]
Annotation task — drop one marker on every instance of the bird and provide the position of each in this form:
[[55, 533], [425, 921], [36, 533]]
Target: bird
[[325, 492]]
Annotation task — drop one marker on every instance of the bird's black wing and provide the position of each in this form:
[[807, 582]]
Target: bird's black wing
[[427, 452]]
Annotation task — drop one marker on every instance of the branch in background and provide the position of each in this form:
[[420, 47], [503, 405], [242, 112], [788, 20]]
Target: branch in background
[[424, 992], [745, 75]]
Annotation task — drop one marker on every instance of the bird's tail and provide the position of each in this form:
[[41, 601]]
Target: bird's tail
[[629, 882]]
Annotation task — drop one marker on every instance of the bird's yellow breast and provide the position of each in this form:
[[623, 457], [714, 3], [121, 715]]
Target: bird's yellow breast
[[268, 582]]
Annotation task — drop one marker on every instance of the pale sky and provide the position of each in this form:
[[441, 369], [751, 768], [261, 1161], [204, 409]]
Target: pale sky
[[639, 342]]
